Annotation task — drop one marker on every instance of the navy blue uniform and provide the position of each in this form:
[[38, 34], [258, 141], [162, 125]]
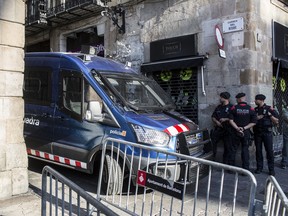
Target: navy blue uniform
[[263, 134], [222, 133], [242, 114]]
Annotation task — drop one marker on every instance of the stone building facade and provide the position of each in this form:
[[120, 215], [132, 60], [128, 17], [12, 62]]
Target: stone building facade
[[246, 27], [13, 156]]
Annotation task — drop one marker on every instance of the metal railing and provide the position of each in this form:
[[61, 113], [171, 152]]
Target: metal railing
[[144, 180], [60, 196], [276, 202], [67, 5]]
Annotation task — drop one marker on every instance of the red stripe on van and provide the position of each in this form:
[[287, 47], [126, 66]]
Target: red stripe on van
[[46, 155], [57, 158], [37, 153], [29, 151], [67, 161], [178, 128], [78, 163]]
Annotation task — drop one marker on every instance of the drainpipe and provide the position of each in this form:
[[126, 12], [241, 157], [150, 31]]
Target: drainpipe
[[202, 80]]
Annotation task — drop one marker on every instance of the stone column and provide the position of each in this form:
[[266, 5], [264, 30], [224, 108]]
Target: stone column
[[13, 156]]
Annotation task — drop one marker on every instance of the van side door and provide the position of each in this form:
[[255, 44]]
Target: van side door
[[74, 137], [39, 109]]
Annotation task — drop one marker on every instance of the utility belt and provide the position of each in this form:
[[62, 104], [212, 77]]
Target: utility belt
[[262, 129], [225, 127], [264, 123]]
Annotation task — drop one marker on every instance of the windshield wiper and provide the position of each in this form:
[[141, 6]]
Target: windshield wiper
[[133, 106]]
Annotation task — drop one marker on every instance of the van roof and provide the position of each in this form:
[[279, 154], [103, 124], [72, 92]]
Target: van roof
[[90, 61]]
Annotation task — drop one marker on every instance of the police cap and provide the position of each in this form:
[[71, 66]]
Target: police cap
[[240, 95], [260, 97], [225, 95]]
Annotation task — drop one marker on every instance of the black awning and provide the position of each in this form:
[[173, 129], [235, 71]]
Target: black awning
[[172, 64]]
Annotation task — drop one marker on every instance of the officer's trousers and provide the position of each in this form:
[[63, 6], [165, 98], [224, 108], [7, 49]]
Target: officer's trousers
[[264, 138], [217, 135], [244, 141], [285, 148]]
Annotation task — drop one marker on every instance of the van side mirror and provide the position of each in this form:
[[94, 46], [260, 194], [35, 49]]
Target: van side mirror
[[94, 111]]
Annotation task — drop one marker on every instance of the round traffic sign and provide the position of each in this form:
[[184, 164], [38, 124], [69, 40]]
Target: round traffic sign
[[218, 36]]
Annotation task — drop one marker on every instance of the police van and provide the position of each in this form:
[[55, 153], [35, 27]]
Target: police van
[[74, 101]]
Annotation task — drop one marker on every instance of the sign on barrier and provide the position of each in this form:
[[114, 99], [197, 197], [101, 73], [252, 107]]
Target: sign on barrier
[[170, 188]]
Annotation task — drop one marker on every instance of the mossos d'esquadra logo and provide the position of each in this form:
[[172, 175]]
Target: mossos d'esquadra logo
[[31, 121]]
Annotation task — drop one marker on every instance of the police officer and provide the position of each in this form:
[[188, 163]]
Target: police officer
[[242, 118], [220, 118], [284, 161], [266, 117]]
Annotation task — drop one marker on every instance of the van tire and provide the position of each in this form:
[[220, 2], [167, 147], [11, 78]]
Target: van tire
[[116, 181]]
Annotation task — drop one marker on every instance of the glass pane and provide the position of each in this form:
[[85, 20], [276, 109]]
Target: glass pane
[[72, 94]]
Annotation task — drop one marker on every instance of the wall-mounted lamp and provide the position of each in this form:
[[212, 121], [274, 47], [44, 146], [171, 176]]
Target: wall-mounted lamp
[[114, 13]]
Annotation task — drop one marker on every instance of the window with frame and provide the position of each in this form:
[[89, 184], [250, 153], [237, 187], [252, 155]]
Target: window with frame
[[37, 85], [76, 94], [72, 94]]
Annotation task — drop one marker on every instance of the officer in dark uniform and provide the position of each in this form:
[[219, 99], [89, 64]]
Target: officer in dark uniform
[[220, 118], [242, 118], [266, 117]]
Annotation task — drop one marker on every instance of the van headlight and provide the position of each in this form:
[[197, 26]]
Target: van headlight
[[150, 136]]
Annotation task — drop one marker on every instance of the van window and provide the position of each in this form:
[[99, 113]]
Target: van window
[[37, 85], [76, 94], [72, 96]]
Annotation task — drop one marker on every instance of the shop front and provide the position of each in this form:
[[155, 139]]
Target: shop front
[[280, 79], [280, 66], [175, 64]]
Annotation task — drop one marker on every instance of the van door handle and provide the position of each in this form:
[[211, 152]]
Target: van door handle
[[46, 115]]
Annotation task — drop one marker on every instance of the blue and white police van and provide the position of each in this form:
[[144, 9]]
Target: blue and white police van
[[74, 101]]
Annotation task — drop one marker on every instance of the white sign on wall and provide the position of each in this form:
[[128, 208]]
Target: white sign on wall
[[233, 25]]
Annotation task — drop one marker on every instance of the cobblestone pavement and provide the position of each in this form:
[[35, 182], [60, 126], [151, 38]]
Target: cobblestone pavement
[[30, 203]]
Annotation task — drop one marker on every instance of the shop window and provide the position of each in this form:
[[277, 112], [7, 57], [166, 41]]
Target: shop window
[[181, 85], [37, 85], [280, 91]]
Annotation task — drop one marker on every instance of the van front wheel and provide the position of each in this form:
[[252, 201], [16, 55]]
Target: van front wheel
[[112, 176]]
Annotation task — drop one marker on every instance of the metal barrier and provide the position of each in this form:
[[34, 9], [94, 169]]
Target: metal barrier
[[276, 202], [143, 180], [66, 198]]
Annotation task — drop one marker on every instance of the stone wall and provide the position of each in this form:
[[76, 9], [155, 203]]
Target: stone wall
[[13, 156]]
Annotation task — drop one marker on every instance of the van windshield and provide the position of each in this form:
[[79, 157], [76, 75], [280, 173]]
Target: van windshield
[[138, 91]]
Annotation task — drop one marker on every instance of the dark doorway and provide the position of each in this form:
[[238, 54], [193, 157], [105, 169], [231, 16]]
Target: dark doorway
[[43, 46], [75, 41]]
